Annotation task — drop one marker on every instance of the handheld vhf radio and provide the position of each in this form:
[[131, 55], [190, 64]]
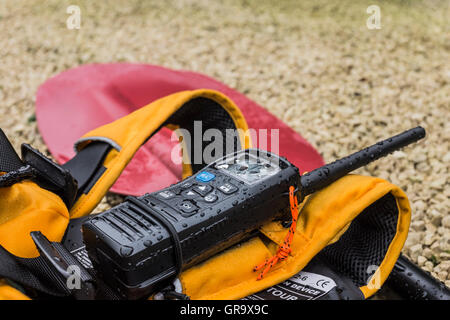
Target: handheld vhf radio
[[140, 245]]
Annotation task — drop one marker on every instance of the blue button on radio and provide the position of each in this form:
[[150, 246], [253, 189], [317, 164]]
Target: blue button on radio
[[205, 176]]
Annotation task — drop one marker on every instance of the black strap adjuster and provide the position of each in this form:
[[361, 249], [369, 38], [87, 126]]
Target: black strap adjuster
[[36, 167], [50, 175], [63, 266]]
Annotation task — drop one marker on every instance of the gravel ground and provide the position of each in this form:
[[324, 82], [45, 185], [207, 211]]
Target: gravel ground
[[313, 64]]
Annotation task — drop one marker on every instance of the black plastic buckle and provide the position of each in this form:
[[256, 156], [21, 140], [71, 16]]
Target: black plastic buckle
[[64, 266], [50, 176]]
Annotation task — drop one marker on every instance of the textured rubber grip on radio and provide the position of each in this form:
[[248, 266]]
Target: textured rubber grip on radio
[[324, 176]]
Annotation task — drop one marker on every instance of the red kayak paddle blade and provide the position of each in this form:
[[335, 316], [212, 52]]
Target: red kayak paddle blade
[[78, 100]]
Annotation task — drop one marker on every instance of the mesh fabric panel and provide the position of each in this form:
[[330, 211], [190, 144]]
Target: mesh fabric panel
[[212, 116], [9, 160], [366, 241]]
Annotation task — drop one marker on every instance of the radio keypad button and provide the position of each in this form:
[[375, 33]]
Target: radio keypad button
[[189, 194], [202, 189], [205, 176], [166, 194], [187, 207], [227, 188], [210, 198]]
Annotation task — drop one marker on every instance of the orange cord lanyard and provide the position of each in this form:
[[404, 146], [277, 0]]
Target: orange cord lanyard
[[285, 249]]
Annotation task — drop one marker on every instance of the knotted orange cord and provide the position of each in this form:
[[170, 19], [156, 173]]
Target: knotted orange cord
[[285, 249]]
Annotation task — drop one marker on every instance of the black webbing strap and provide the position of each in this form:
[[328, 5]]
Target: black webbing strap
[[87, 166], [9, 160], [36, 275], [50, 274], [31, 273], [36, 167], [178, 254], [11, 165]]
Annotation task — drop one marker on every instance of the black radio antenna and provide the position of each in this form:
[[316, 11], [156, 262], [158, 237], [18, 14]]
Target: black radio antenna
[[321, 177]]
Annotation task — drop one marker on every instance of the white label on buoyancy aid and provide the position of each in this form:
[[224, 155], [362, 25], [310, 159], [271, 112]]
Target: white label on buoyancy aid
[[303, 286]]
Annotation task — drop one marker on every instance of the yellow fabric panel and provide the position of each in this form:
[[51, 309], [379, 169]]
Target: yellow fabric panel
[[395, 247], [131, 131], [225, 270], [9, 293], [324, 215], [26, 207]]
